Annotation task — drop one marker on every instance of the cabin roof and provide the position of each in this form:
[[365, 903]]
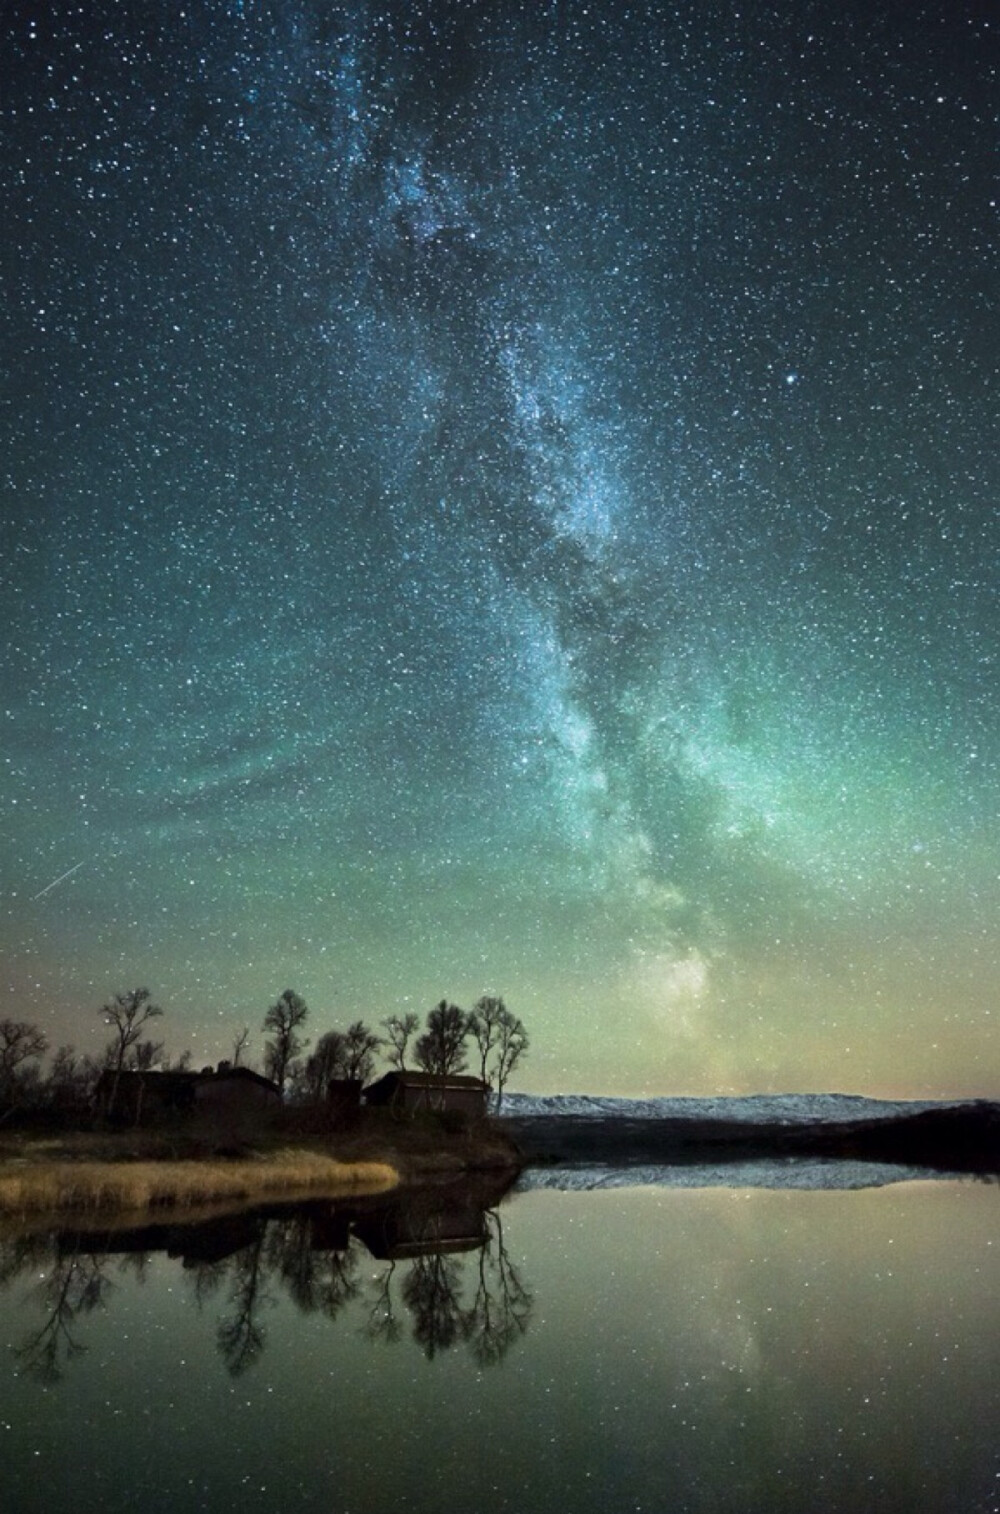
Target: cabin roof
[[179, 1077], [242, 1075], [427, 1080]]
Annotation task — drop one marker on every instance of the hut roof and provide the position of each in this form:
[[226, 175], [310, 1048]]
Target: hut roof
[[395, 1079], [182, 1077]]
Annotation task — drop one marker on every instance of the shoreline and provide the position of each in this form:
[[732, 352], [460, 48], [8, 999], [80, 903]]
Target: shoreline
[[169, 1172], [961, 1138]]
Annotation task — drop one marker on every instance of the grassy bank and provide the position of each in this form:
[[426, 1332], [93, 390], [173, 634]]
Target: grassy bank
[[38, 1183], [191, 1166]]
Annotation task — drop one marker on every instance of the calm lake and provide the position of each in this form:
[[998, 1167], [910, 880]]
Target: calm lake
[[718, 1348]]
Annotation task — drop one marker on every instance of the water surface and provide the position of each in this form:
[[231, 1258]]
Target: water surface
[[645, 1348]]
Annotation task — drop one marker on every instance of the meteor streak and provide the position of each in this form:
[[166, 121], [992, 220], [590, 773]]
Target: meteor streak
[[61, 879]]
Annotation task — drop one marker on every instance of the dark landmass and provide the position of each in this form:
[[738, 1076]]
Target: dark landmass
[[436, 1148], [414, 1145], [196, 1163], [962, 1138]]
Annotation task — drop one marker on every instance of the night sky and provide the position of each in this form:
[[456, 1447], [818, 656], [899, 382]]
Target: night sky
[[504, 498]]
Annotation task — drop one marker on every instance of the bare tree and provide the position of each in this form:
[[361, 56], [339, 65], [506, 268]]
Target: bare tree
[[20, 1043], [240, 1044], [484, 1026], [326, 1065], [502, 1041], [65, 1081], [441, 1048], [72, 1078], [399, 1029], [284, 1020], [361, 1046], [145, 1054], [340, 1055], [513, 1046], [126, 1014]]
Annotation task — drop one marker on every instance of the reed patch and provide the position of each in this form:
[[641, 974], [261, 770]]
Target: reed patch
[[95, 1186]]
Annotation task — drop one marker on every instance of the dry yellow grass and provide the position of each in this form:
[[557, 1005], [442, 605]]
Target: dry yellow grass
[[36, 1187]]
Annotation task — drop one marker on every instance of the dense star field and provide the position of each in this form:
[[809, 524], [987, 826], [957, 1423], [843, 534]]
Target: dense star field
[[504, 498]]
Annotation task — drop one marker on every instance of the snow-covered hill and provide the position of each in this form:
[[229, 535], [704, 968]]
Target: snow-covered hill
[[784, 1108]]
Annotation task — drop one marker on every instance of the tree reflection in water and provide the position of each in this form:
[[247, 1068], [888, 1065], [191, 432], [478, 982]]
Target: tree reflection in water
[[446, 1270], [501, 1308], [383, 1323], [317, 1280], [432, 1292], [240, 1334], [71, 1287]]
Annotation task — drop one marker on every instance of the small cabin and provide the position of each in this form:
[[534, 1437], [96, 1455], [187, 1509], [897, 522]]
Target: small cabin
[[408, 1092], [235, 1090], [144, 1097]]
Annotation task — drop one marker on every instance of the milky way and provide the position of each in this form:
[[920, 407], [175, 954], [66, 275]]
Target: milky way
[[505, 498]]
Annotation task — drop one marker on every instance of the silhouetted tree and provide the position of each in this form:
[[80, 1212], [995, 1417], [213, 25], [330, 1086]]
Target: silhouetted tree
[[512, 1047], [502, 1041], [361, 1046], [69, 1087], [441, 1048], [240, 1043], [326, 1065], [399, 1029], [71, 1078], [145, 1054], [284, 1020], [340, 1055], [20, 1043], [127, 1014]]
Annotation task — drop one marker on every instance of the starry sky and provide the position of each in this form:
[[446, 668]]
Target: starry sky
[[503, 497]]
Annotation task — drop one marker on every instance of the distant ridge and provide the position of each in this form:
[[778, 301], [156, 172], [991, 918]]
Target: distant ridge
[[763, 1109]]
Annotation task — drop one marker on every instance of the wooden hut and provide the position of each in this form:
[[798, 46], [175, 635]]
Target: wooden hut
[[408, 1092], [141, 1098], [235, 1091]]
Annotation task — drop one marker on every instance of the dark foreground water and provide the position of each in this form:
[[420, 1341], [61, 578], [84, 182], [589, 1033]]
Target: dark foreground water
[[718, 1349]]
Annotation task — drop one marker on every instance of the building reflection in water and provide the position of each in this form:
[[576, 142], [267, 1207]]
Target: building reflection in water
[[446, 1281]]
